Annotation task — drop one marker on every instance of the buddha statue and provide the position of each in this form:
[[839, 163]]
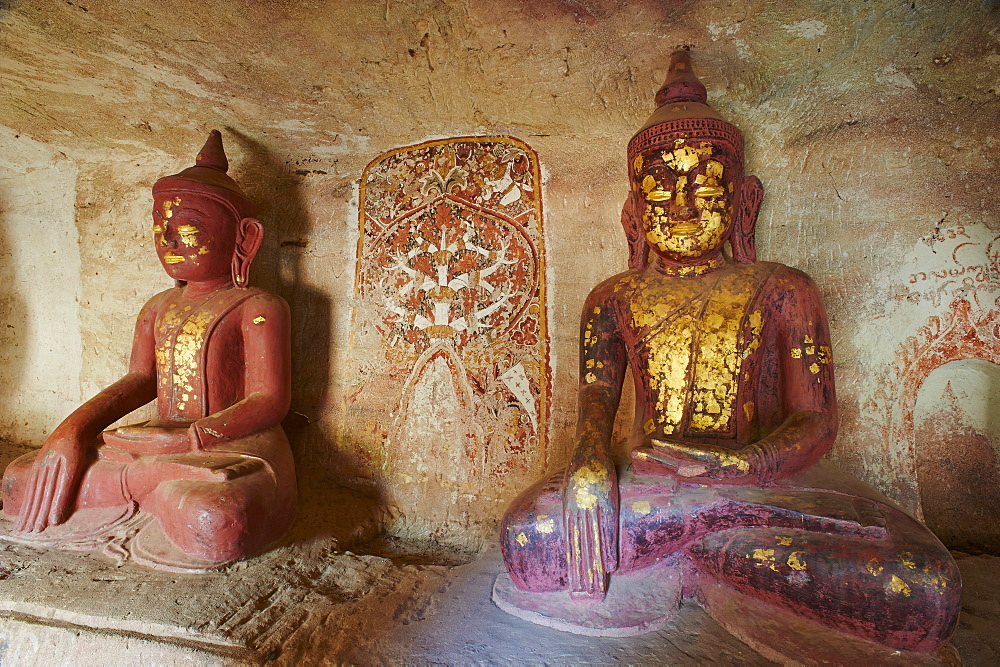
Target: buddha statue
[[211, 477], [724, 496]]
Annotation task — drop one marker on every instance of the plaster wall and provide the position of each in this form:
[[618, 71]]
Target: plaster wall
[[40, 334], [871, 124]]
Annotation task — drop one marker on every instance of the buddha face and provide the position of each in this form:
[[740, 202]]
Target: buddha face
[[195, 236], [686, 195]]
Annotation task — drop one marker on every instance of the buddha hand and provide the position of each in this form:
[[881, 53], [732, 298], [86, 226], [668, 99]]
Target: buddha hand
[[701, 461], [52, 482], [590, 507]]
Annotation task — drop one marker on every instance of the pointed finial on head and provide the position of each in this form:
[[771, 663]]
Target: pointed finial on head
[[213, 154], [208, 177], [681, 84]]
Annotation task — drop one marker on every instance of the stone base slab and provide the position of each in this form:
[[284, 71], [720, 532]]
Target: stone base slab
[[636, 603]]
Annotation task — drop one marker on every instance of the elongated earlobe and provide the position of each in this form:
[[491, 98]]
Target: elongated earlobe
[[638, 249], [744, 235], [249, 234]]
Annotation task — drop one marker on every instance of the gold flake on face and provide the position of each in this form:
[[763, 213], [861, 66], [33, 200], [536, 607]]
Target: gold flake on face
[[681, 191], [188, 235], [158, 236], [168, 205], [684, 156], [637, 164], [706, 191], [673, 230], [713, 171]]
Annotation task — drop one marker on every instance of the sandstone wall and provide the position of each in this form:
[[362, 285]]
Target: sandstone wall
[[871, 124]]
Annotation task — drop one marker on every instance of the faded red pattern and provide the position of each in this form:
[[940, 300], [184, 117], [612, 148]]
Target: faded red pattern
[[450, 370]]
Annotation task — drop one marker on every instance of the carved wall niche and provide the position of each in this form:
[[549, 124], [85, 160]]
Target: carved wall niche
[[448, 396], [957, 436], [934, 400]]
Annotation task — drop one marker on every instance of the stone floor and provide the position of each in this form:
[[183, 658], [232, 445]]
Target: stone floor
[[308, 603], [332, 593]]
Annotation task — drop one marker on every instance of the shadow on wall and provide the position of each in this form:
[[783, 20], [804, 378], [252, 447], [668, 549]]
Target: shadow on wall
[[326, 506], [13, 330], [13, 312], [957, 428]]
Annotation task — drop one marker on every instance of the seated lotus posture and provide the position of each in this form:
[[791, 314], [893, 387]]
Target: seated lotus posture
[[214, 470], [724, 492]]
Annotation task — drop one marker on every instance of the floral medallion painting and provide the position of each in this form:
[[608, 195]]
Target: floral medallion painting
[[448, 390]]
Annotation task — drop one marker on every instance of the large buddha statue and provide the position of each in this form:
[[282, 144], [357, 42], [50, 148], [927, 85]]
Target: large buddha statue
[[211, 478], [723, 496]]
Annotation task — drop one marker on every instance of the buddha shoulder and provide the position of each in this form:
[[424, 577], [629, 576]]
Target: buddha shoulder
[[262, 309], [257, 305], [786, 278], [158, 301], [616, 287]]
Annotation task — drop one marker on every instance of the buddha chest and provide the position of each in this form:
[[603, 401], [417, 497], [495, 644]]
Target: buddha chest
[[198, 352], [691, 344]]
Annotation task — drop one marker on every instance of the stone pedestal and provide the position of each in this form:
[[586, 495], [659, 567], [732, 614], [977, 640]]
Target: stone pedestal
[[85, 606]]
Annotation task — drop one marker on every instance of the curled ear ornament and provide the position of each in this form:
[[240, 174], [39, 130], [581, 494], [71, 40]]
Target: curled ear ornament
[[249, 234], [638, 249], [743, 237]]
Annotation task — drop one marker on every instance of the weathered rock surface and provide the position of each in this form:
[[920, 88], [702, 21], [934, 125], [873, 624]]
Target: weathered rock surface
[[871, 124]]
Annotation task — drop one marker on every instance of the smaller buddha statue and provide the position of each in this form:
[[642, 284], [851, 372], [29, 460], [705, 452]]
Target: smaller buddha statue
[[724, 496], [211, 479]]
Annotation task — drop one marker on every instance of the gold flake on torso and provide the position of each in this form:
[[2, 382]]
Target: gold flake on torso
[[180, 335], [691, 345]]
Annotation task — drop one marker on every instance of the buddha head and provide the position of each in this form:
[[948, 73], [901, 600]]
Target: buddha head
[[203, 224], [688, 194]]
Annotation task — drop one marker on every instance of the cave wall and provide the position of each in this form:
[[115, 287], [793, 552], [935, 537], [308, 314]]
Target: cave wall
[[871, 124]]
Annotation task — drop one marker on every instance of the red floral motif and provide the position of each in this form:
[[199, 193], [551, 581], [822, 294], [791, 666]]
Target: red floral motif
[[449, 315]]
